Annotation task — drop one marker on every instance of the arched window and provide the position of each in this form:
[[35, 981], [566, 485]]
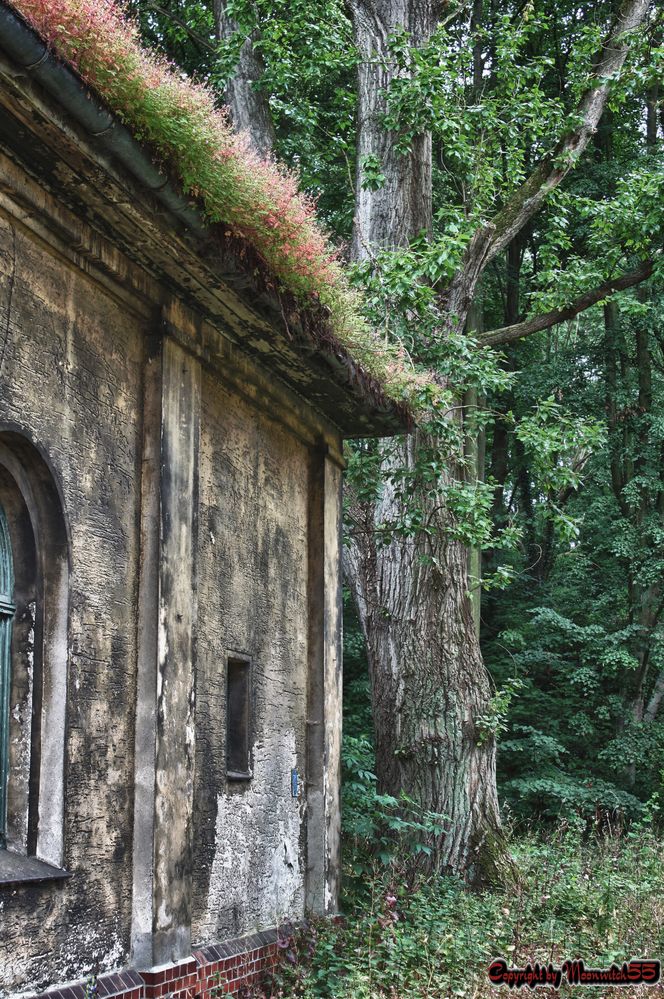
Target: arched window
[[34, 599], [7, 609]]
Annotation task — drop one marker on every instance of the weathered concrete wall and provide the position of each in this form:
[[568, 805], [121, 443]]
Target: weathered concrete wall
[[324, 696], [150, 591], [249, 871], [70, 374]]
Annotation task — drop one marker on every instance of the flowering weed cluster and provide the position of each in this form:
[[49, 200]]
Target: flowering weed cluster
[[255, 198]]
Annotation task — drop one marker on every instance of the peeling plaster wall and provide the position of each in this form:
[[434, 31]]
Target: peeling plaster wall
[[81, 378], [252, 566], [70, 378]]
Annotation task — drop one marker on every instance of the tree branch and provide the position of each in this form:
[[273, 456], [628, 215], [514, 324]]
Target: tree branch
[[507, 334], [198, 39], [493, 237], [553, 168]]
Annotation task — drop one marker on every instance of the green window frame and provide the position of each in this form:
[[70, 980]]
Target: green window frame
[[7, 609]]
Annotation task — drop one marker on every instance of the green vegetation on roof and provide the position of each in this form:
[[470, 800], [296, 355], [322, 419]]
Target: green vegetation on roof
[[257, 199]]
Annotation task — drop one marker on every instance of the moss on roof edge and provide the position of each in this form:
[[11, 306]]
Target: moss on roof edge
[[256, 200]]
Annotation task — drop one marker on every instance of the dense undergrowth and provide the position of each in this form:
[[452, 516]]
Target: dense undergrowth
[[598, 897], [587, 884]]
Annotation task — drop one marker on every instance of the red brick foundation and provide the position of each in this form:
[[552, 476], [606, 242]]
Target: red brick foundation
[[180, 981], [212, 972], [235, 965]]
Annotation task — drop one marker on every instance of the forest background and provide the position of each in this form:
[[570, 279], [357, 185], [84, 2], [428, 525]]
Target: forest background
[[547, 460]]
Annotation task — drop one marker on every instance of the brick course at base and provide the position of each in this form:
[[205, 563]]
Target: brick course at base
[[212, 972]]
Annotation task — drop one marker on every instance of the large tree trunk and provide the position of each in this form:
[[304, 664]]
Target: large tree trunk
[[249, 107], [430, 687], [429, 684], [391, 215]]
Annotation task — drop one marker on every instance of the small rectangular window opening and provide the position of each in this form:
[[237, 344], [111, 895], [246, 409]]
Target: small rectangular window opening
[[238, 719]]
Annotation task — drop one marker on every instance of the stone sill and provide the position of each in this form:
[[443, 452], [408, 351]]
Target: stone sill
[[15, 869]]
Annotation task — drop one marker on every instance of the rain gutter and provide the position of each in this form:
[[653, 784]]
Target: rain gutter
[[37, 61]]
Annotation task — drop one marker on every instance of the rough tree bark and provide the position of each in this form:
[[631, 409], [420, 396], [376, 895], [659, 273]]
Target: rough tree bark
[[429, 683], [397, 211], [249, 107], [656, 697]]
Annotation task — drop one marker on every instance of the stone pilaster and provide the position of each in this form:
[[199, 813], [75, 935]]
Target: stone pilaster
[[165, 729]]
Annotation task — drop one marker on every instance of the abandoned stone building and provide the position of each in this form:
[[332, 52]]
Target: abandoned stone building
[[170, 486]]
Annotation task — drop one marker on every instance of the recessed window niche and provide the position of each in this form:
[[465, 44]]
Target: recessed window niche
[[34, 572], [238, 718]]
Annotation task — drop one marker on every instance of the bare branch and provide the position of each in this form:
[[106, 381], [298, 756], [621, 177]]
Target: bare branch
[[507, 334]]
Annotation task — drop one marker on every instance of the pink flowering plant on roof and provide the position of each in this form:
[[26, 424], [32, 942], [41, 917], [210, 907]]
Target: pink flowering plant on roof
[[254, 197]]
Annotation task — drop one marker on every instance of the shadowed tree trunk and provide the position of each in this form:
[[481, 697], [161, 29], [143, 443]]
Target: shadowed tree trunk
[[429, 684], [656, 697], [249, 107], [644, 599]]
